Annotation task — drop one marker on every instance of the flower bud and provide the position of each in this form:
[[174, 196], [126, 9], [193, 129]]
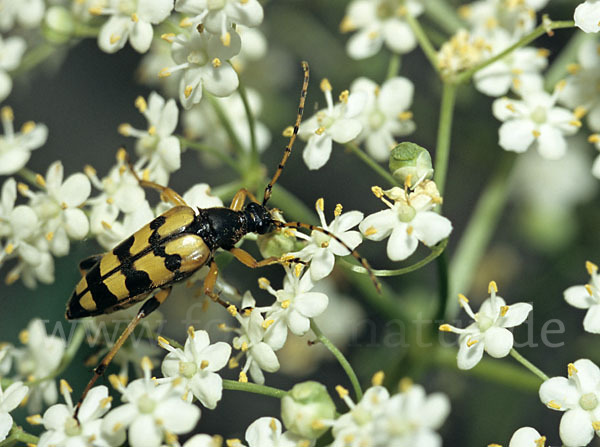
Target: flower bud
[[59, 25], [410, 159], [304, 408], [276, 243]]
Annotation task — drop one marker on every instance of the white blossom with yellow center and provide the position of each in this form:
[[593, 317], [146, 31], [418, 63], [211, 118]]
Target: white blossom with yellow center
[[10, 398], [587, 297], [16, 147], [489, 331]]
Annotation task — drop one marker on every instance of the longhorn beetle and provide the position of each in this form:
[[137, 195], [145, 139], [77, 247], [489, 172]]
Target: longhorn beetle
[[174, 246]]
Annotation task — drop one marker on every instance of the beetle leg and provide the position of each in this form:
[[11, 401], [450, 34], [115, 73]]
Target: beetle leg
[[149, 306], [209, 288], [248, 260], [89, 262], [240, 197], [166, 194]]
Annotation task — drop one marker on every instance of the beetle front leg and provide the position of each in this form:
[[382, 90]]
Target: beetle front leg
[[248, 260], [209, 288]]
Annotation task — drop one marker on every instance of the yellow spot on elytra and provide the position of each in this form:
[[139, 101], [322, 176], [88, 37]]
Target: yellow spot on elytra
[[27, 127], [288, 131], [243, 378], [114, 38], [216, 62], [503, 310], [344, 96], [342, 392], [571, 369], [553, 405], [492, 287], [169, 37], [325, 85], [377, 378]]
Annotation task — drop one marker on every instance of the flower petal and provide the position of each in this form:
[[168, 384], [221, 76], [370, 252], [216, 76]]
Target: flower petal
[[176, 415], [576, 428], [578, 296], [401, 244], [498, 341]]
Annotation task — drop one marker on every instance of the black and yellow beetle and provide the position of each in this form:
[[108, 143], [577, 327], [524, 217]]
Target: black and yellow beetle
[[174, 246]]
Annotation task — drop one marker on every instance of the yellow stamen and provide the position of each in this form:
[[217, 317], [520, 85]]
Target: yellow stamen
[[462, 299], [571, 369], [89, 170], [49, 236], [320, 204], [124, 129], [370, 231], [560, 85], [40, 180], [114, 38], [95, 10], [338, 210], [162, 341], [9, 248], [233, 363], [346, 25], [110, 200], [503, 310], [553, 405], [204, 364], [285, 304], [265, 324], [594, 138], [405, 384], [135, 18], [22, 188], [320, 131], [24, 336], [216, 62], [169, 37], [146, 363], [188, 91], [106, 225], [579, 112], [7, 113], [492, 286], [152, 130], [445, 328], [342, 392], [65, 387], [264, 283], [226, 39], [405, 116], [573, 68], [164, 73], [232, 310], [325, 85], [141, 104], [536, 133], [27, 127], [244, 347], [273, 425], [596, 425], [575, 123], [185, 22], [344, 96], [243, 378], [377, 191], [191, 332], [34, 419], [471, 342], [114, 381], [589, 289], [591, 267], [377, 378]]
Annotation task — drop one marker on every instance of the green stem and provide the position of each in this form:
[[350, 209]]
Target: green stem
[[567, 55], [435, 252], [443, 286], [442, 152], [251, 124], [393, 66], [423, 40], [371, 163], [527, 364], [340, 358], [18, 435], [444, 15], [213, 151], [292, 206], [253, 388], [478, 232], [224, 119], [29, 176], [545, 27]]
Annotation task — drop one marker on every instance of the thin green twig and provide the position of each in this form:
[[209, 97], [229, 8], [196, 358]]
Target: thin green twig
[[251, 123], [423, 40], [527, 364], [340, 358], [218, 153], [18, 435], [352, 147], [253, 388], [442, 152], [224, 120]]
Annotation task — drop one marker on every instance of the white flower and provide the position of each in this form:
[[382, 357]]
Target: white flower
[[322, 248], [10, 399], [488, 332], [386, 114], [204, 59], [580, 88], [407, 221], [259, 355], [64, 431], [254, 47], [37, 360], [535, 121], [159, 150], [527, 437], [378, 22], [150, 411], [6, 350], [195, 366], [202, 122], [15, 148], [487, 16], [131, 20], [464, 50], [587, 16], [578, 395], [268, 432], [296, 304], [158, 57], [121, 192], [410, 418], [337, 123], [58, 207], [519, 70], [198, 196], [27, 13], [114, 232], [11, 52], [587, 297], [219, 16]]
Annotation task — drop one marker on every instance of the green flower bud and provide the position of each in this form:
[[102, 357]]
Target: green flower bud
[[410, 159], [276, 243], [304, 407], [59, 24]]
